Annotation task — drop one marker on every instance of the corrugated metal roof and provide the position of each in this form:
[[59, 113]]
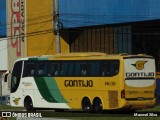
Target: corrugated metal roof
[[77, 13], [2, 18]]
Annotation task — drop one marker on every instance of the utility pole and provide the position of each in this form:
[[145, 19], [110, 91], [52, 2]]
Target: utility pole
[[56, 25]]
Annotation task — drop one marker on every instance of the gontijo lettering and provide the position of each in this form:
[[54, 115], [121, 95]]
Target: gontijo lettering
[[78, 83], [140, 74]]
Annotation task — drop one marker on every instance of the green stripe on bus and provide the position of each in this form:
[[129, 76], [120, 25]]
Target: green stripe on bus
[[49, 90], [48, 87]]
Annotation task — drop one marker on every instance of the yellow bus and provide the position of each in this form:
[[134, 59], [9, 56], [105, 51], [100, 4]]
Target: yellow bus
[[87, 81]]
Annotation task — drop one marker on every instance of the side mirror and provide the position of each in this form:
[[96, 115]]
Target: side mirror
[[6, 76]]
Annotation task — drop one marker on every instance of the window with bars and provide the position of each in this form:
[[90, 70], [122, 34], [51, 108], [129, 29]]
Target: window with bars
[[116, 39]]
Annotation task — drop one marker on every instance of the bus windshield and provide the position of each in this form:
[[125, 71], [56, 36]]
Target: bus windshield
[[16, 76]]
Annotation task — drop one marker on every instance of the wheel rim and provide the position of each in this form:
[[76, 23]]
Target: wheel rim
[[86, 105]]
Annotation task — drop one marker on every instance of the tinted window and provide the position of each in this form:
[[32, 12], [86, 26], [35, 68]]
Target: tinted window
[[71, 68], [41, 68], [109, 68], [105, 69], [52, 69], [84, 69], [29, 68]]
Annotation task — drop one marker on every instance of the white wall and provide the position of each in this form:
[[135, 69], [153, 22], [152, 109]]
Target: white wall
[[3, 54]]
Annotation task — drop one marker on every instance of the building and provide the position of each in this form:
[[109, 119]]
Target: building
[[4, 91], [3, 54], [111, 26], [3, 67], [31, 29], [3, 40]]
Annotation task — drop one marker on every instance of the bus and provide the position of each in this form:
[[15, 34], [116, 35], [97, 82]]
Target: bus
[[84, 81]]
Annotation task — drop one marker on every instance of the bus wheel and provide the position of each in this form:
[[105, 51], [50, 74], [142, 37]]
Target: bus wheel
[[97, 105], [28, 104], [86, 105]]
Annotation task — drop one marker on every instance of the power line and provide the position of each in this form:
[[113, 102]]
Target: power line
[[67, 17], [63, 20], [31, 24], [30, 21], [75, 19], [29, 34]]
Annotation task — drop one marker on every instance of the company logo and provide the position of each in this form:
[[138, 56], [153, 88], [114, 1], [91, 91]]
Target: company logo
[[17, 24], [16, 101], [78, 83], [139, 65]]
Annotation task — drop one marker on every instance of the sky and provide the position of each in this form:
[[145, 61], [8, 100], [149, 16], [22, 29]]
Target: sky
[[3, 43], [2, 18]]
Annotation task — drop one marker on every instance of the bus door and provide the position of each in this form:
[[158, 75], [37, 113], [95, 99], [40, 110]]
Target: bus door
[[139, 74]]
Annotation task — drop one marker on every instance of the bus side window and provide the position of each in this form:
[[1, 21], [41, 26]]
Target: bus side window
[[83, 67], [76, 69], [70, 71], [62, 69], [115, 67], [52, 69], [66, 69], [93, 68], [32, 72], [29, 68], [105, 69], [42, 68], [55, 70]]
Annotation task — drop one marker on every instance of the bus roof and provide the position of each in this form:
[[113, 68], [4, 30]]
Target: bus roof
[[81, 55]]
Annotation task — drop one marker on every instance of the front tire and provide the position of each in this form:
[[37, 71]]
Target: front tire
[[28, 104]]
